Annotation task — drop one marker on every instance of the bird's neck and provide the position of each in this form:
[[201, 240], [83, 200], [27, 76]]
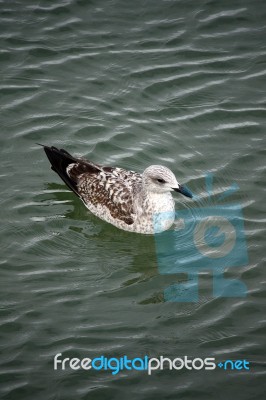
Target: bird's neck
[[161, 202], [152, 202], [162, 207]]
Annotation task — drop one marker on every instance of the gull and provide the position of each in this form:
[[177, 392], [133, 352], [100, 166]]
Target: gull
[[131, 201]]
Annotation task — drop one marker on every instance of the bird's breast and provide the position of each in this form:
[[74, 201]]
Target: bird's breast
[[161, 202]]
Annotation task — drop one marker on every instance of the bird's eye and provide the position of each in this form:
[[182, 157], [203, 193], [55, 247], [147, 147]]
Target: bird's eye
[[161, 180]]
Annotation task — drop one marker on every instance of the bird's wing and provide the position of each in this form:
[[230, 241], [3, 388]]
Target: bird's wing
[[130, 178], [106, 189], [97, 185]]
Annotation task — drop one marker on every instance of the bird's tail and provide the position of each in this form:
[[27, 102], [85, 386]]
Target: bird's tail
[[60, 159], [68, 167]]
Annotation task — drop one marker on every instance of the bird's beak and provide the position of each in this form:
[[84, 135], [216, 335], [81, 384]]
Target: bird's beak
[[182, 189]]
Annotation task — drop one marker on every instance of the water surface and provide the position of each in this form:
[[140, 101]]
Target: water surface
[[178, 83]]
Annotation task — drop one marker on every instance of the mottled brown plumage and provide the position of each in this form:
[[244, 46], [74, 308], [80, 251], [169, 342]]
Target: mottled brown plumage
[[96, 190]]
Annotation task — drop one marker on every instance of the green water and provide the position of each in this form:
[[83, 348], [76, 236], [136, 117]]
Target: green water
[[178, 83]]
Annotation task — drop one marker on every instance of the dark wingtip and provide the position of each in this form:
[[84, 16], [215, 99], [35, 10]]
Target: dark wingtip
[[51, 148]]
